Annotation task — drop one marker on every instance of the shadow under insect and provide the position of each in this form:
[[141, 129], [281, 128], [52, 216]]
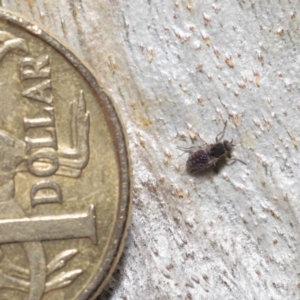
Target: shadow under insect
[[210, 156]]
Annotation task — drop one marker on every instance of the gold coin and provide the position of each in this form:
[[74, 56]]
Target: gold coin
[[64, 171]]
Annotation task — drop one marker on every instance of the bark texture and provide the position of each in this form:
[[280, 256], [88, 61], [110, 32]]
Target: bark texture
[[176, 70]]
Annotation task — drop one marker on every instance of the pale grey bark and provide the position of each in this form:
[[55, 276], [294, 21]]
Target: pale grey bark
[[176, 70]]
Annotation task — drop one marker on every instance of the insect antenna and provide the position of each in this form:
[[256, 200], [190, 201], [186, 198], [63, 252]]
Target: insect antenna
[[221, 134]]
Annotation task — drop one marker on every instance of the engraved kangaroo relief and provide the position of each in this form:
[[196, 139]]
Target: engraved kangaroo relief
[[42, 157]]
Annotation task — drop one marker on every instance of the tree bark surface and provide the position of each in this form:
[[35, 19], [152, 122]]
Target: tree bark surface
[[176, 71]]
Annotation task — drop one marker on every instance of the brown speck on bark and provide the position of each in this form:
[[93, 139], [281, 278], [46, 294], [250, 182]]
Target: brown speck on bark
[[161, 180], [183, 136], [242, 84], [142, 143], [206, 39], [201, 101], [257, 78], [293, 139], [206, 18], [167, 154], [150, 55], [229, 61], [192, 134], [199, 67], [280, 31], [217, 53], [180, 193]]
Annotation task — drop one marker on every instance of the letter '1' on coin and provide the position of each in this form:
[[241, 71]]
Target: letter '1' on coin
[[64, 171]]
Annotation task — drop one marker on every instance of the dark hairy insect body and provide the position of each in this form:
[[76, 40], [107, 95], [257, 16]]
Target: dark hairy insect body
[[210, 154], [205, 157]]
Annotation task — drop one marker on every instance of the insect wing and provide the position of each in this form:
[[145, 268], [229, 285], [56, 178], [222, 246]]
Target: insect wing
[[192, 149], [200, 160]]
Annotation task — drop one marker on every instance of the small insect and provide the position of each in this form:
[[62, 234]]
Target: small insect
[[209, 154]]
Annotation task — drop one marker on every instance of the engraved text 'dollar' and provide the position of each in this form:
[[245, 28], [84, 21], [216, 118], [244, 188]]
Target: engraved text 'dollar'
[[40, 154]]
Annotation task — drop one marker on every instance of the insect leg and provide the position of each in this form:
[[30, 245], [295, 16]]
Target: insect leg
[[221, 134], [234, 159], [203, 141]]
